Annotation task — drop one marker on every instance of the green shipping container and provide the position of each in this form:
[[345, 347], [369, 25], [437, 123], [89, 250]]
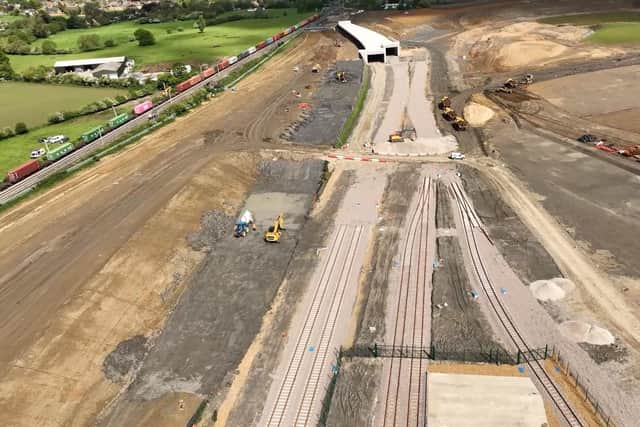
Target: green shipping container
[[92, 134], [118, 120], [60, 151]]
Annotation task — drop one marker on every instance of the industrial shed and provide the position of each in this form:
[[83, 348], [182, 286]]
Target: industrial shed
[[372, 46], [113, 67]]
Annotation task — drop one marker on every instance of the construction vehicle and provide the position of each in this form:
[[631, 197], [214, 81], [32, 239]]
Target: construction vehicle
[[445, 102], [273, 234], [341, 76], [504, 90], [527, 79], [449, 114], [315, 68], [510, 84], [630, 151], [243, 224], [460, 124], [396, 137]]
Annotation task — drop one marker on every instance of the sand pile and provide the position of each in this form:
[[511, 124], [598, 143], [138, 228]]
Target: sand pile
[[477, 114], [524, 53], [520, 44], [551, 290], [585, 332]]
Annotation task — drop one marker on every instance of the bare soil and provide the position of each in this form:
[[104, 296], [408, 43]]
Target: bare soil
[[400, 187], [460, 325], [522, 251]]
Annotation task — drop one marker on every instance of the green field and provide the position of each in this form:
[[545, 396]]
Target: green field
[[187, 46], [613, 27], [33, 103], [10, 18], [15, 151]]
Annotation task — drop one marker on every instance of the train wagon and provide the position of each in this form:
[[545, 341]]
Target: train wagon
[[223, 64], [243, 55], [94, 133], [22, 171], [61, 151], [269, 40], [118, 120], [143, 108], [261, 45], [232, 60], [208, 72], [189, 83], [252, 50]]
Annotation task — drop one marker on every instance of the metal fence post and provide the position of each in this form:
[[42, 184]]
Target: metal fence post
[[546, 348], [518, 358]]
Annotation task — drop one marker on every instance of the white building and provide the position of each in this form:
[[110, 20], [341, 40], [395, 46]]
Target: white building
[[372, 46]]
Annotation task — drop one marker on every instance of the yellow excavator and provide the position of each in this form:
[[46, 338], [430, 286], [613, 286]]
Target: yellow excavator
[[274, 232]]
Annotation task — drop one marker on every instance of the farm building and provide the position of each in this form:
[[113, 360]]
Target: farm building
[[98, 67]]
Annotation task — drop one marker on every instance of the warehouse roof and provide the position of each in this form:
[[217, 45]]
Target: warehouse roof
[[91, 61], [372, 43]]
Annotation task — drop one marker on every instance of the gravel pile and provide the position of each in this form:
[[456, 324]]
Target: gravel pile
[[551, 290], [214, 226], [582, 332]]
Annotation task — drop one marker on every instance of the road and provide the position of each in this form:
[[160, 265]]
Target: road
[[319, 325]]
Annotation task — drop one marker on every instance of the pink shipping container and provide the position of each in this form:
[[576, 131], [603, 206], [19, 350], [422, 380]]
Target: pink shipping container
[[141, 108], [25, 169]]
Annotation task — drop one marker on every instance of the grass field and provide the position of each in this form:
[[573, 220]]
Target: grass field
[[33, 103], [187, 46], [15, 151], [593, 18], [10, 18], [612, 28]]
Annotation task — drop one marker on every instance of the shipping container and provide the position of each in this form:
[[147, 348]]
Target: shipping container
[[223, 64], [261, 45], [243, 55], [94, 133], [60, 151], [24, 170], [269, 40], [142, 108], [118, 120], [232, 60], [208, 72], [251, 50]]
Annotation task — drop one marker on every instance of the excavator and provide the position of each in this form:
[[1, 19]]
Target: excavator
[[273, 234]]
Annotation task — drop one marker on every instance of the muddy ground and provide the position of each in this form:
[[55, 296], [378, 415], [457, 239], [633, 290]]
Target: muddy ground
[[221, 311], [461, 324], [256, 381], [522, 251], [330, 106]]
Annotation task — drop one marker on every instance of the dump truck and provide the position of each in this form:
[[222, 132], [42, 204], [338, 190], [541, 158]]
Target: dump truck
[[449, 114], [445, 102], [460, 124]]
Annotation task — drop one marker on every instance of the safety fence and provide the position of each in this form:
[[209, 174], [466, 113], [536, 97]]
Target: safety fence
[[581, 390], [442, 352]]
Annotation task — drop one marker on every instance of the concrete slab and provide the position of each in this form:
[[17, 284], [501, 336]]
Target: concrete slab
[[482, 400]]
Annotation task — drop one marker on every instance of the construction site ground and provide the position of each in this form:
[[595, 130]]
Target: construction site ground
[[105, 256], [127, 302], [330, 106]]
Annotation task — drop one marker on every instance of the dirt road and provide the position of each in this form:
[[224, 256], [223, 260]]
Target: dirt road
[[115, 234]]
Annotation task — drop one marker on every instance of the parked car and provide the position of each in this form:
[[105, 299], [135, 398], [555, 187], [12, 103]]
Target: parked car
[[587, 138], [456, 156], [55, 139], [38, 153]]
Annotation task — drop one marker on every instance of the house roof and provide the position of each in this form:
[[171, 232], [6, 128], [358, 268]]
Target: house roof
[[91, 61]]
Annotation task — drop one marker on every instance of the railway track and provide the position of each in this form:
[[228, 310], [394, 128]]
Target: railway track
[[324, 309], [406, 383], [470, 221]]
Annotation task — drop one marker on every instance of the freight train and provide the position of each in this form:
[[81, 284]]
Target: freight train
[[18, 173]]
